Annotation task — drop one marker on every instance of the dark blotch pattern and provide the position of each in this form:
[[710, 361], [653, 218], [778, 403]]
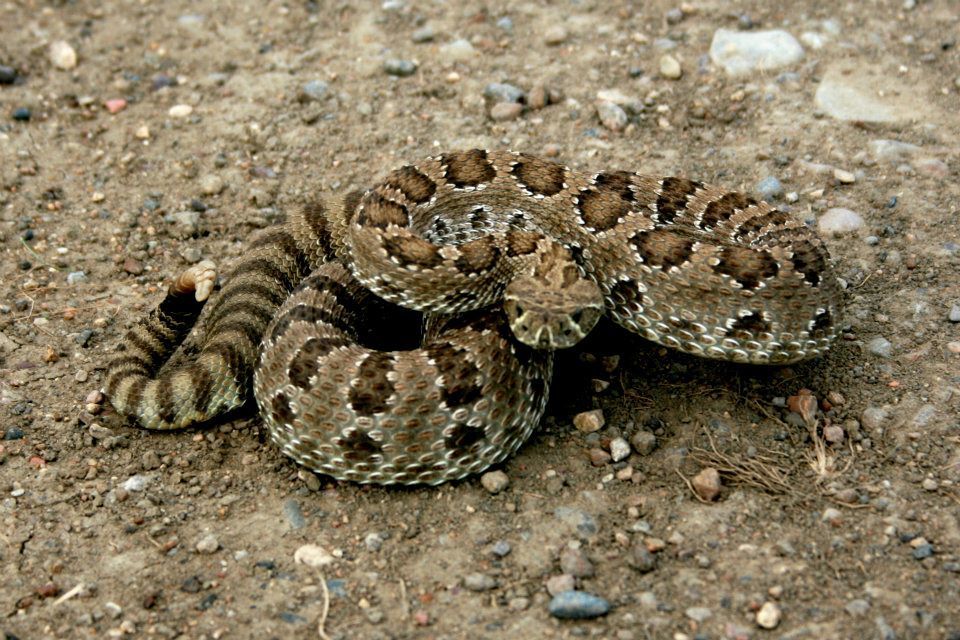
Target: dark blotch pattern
[[412, 250], [280, 410], [773, 217], [414, 185], [723, 208], [460, 375], [604, 205], [315, 215], [468, 168], [747, 266], [372, 389], [749, 326], [478, 255], [358, 446], [673, 198], [627, 294], [521, 243], [808, 259], [821, 324], [539, 176], [662, 248], [305, 362], [462, 438], [380, 212]]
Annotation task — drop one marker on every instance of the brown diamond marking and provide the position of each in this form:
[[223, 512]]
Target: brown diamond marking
[[747, 266], [468, 168], [774, 218], [414, 185], [280, 409], [723, 208], [380, 212], [674, 196], [305, 362], [808, 260], [372, 388], [460, 384], [749, 326], [522, 243], [478, 255], [358, 446], [462, 439], [662, 248], [539, 176], [411, 250], [821, 324]]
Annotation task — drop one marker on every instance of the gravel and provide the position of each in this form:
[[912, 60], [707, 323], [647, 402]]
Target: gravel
[[574, 605]]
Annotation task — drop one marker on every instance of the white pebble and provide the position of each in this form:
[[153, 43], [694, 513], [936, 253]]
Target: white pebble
[[208, 544], [180, 111], [670, 67], [839, 221], [619, 449], [62, 55], [312, 555], [742, 53], [769, 615], [494, 481], [844, 177], [611, 116], [458, 50], [589, 421]]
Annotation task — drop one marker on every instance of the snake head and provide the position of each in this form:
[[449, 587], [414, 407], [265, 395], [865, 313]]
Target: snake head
[[545, 317]]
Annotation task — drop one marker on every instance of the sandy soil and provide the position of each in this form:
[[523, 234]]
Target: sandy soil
[[109, 531]]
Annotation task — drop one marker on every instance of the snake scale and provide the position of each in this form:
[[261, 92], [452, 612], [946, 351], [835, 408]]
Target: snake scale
[[404, 334]]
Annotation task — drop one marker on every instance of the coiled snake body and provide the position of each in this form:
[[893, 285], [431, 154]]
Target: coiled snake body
[[509, 256]]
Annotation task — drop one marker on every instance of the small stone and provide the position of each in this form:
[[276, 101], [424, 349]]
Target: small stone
[[742, 53], [312, 555], [132, 266], [575, 605], [479, 582], [768, 617], [611, 116], [831, 515], [555, 35], [574, 561], [76, 277], [844, 177], [180, 111], [641, 558], [560, 584], [8, 75], [707, 484], [191, 255], [539, 97], [873, 418], [954, 314], [589, 421], [423, 34], [880, 346], [698, 614], [399, 68], [136, 483], [494, 481], [21, 114], [115, 105], [923, 551], [833, 434], [670, 67], [838, 221], [13, 433], [150, 460], [314, 90], [294, 515], [599, 457], [929, 484], [644, 442], [62, 55], [857, 607], [373, 541], [113, 610], [211, 184], [619, 449], [769, 188], [505, 111], [208, 544], [457, 50], [503, 92], [501, 548]]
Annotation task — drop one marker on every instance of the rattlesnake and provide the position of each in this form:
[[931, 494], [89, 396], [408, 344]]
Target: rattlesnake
[[464, 237]]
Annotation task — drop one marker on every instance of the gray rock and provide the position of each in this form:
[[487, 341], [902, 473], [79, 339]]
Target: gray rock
[[424, 34], [479, 582], [892, 151], [574, 561], [838, 221], [857, 607], [494, 481], [873, 418], [506, 111], [399, 68], [560, 584], [644, 442], [611, 116], [880, 346], [503, 92], [457, 50], [315, 90], [698, 614], [769, 188], [744, 53], [291, 509], [954, 314], [208, 544], [575, 605], [76, 277], [840, 97], [373, 541]]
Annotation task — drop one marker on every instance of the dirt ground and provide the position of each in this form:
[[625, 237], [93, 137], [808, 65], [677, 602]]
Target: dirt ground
[[182, 127]]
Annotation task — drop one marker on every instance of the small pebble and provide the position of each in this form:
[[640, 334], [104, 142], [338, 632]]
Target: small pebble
[[929, 484], [501, 548], [8, 75], [373, 541], [707, 484], [575, 605], [844, 177], [315, 90], [641, 558], [136, 482], [312, 555], [208, 544], [76, 277], [457, 50], [13, 433], [954, 314], [599, 457], [644, 442], [619, 449], [880, 346], [560, 584], [423, 34], [180, 111], [698, 614], [769, 188], [62, 55], [857, 607], [479, 582], [503, 92], [539, 97], [399, 68], [505, 111], [291, 509], [589, 421], [872, 418], [768, 617], [494, 481], [21, 114], [833, 434], [211, 184], [574, 561], [555, 35], [831, 515], [132, 266], [838, 221], [611, 116], [115, 105], [923, 551], [670, 67]]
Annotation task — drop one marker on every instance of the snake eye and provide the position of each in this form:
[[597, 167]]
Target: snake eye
[[577, 316]]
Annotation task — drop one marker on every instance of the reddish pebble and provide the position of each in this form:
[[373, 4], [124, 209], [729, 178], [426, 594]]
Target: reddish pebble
[[116, 105], [132, 266], [48, 590], [421, 618], [37, 462]]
